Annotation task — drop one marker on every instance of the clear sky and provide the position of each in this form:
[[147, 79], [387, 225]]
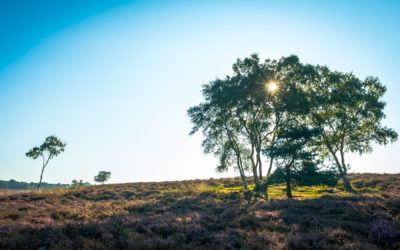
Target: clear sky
[[114, 79]]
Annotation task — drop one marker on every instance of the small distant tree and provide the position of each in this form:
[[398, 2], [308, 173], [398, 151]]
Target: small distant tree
[[50, 148], [80, 183], [102, 177]]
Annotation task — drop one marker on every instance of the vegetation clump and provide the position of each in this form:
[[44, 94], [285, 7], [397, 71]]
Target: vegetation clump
[[102, 176], [307, 174], [80, 183]]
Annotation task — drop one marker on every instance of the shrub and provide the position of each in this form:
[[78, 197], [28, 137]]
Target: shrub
[[383, 233], [307, 175]]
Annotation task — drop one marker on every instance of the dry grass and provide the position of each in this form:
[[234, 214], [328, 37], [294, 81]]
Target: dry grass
[[209, 214]]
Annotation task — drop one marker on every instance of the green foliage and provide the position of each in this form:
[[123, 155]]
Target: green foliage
[[289, 112], [80, 183], [50, 148], [308, 174], [349, 113], [240, 115], [102, 176]]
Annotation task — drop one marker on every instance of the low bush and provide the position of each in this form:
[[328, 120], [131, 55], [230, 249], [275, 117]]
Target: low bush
[[306, 175]]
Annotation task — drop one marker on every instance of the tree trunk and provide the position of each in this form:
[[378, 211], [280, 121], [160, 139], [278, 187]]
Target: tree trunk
[[259, 163], [266, 190], [255, 176], [271, 161], [244, 182], [343, 173], [341, 168], [241, 171], [288, 187], [41, 177], [346, 181]]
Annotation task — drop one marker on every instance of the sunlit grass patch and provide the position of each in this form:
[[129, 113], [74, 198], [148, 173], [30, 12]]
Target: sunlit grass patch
[[279, 191], [314, 192]]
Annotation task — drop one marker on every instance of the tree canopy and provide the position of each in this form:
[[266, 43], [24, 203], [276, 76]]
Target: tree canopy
[[349, 113], [285, 112], [102, 176]]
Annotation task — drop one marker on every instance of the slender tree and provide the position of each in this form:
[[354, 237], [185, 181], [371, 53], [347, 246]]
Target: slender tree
[[253, 109], [288, 102], [220, 128], [292, 141], [50, 148], [349, 113]]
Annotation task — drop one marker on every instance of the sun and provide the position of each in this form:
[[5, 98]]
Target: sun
[[272, 86]]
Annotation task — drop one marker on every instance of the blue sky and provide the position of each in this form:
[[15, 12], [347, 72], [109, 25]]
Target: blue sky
[[114, 78]]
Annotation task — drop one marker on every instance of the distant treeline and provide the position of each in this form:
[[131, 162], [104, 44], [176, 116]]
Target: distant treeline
[[20, 185]]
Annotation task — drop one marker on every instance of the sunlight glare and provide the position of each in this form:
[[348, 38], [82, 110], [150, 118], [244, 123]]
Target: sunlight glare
[[272, 86]]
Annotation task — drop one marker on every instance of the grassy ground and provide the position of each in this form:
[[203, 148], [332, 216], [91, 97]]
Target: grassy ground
[[209, 214]]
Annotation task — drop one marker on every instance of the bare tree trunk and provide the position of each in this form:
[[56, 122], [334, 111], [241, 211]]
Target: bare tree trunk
[[271, 162], [239, 159], [288, 186], [288, 189], [341, 167], [266, 191], [243, 177], [266, 182], [45, 162], [241, 171], [41, 177], [255, 176], [345, 179], [346, 183], [254, 168], [343, 174], [259, 163]]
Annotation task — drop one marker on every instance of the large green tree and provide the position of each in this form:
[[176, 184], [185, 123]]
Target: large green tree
[[241, 113], [293, 136], [349, 112], [280, 109], [220, 128], [49, 149]]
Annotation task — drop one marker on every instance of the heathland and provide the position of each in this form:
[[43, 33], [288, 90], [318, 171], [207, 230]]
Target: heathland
[[204, 214]]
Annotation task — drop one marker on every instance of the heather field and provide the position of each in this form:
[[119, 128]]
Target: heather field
[[204, 214]]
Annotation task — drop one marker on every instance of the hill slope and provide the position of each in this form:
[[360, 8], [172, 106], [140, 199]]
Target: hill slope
[[209, 214]]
